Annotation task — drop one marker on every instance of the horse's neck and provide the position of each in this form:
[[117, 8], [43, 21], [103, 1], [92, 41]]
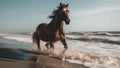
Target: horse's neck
[[59, 24], [56, 24]]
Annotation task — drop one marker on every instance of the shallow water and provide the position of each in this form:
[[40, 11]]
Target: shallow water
[[93, 49], [9, 53], [13, 43]]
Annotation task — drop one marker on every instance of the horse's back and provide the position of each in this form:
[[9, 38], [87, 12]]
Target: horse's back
[[42, 31], [40, 26]]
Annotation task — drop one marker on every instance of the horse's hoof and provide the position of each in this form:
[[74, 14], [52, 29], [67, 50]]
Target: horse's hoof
[[63, 58], [66, 47]]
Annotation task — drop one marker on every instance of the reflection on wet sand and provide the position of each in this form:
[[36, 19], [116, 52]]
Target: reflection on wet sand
[[19, 58]]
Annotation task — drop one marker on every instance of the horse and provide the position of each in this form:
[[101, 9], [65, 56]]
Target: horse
[[54, 30]]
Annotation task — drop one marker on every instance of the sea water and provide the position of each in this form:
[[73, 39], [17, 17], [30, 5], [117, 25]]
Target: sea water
[[92, 49], [13, 41]]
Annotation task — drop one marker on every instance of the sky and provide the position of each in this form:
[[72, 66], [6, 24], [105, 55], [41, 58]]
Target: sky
[[85, 15]]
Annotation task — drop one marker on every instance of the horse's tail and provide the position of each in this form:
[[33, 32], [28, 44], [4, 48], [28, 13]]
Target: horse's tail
[[34, 37]]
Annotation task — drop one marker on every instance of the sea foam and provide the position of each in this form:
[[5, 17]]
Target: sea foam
[[90, 53]]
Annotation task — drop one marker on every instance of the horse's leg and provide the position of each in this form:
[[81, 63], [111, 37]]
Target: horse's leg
[[47, 45], [51, 45], [38, 43], [64, 43]]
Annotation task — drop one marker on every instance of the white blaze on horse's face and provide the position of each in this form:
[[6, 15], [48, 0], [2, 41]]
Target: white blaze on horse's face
[[66, 14], [64, 9]]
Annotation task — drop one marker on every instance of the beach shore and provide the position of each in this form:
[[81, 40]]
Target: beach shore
[[23, 58]]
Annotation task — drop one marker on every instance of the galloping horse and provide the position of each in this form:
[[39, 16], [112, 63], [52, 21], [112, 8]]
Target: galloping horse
[[53, 31]]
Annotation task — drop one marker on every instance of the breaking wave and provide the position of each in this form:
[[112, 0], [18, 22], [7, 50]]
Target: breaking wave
[[105, 37], [96, 33], [95, 39], [18, 37]]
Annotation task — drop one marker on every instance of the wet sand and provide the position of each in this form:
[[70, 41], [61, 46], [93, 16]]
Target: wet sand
[[23, 58]]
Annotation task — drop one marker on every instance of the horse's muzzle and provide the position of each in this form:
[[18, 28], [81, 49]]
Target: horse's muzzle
[[68, 21]]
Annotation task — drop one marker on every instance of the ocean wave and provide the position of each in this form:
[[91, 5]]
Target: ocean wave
[[18, 37], [108, 33], [96, 33], [111, 34], [110, 40], [103, 39]]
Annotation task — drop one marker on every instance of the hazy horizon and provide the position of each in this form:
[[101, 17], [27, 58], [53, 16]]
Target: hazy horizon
[[86, 15]]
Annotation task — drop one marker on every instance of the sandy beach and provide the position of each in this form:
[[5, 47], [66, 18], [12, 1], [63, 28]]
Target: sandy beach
[[23, 58]]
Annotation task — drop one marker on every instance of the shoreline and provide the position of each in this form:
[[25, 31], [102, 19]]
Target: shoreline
[[23, 58]]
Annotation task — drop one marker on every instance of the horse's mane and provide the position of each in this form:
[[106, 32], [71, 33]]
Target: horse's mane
[[56, 11], [53, 14]]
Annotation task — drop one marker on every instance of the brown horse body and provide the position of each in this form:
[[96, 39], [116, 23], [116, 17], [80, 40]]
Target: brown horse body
[[53, 31]]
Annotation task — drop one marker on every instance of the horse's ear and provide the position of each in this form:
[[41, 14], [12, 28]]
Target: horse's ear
[[67, 4], [60, 3]]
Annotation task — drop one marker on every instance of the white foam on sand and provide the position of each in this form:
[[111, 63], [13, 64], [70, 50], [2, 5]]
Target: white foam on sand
[[88, 55]]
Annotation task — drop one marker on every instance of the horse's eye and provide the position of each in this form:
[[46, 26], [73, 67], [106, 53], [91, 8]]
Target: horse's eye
[[67, 10]]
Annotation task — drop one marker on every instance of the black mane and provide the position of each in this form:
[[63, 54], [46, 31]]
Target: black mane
[[52, 16], [56, 11]]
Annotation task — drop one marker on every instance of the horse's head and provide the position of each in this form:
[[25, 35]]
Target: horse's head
[[64, 13]]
